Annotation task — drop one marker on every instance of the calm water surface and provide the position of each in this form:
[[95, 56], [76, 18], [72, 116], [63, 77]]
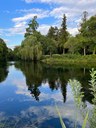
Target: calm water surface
[[29, 94]]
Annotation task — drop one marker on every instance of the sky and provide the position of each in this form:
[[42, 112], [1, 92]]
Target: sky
[[15, 15]]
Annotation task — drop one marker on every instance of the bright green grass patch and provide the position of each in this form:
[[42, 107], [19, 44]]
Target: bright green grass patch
[[70, 59]]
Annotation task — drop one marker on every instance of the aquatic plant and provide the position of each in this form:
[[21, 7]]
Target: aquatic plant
[[92, 84], [62, 122]]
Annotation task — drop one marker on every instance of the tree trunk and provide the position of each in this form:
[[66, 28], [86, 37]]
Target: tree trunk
[[50, 54], [94, 51], [63, 50], [84, 51]]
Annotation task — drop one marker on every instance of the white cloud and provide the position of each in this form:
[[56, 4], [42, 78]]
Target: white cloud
[[73, 31], [20, 23], [11, 46], [19, 28], [44, 28], [72, 9], [30, 13], [48, 1], [69, 2]]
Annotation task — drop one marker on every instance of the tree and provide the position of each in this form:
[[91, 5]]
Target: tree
[[91, 25], [72, 45], [88, 34], [30, 49], [32, 27], [52, 37], [83, 36], [3, 50], [51, 32], [63, 33], [10, 54], [16, 52], [51, 46]]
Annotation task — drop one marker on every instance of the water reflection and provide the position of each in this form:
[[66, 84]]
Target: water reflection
[[3, 71], [56, 77], [48, 85]]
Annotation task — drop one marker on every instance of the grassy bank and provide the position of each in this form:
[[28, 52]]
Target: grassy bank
[[69, 59]]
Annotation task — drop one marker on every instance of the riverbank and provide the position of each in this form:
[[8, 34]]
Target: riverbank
[[69, 59]]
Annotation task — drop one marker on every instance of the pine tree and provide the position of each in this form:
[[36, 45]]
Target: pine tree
[[63, 33]]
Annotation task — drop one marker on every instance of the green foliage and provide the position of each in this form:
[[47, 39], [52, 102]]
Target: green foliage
[[63, 35], [76, 89], [32, 27], [10, 54], [87, 34], [16, 52], [61, 121], [85, 121], [72, 45], [31, 49], [3, 50], [3, 71], [92, 83], [78, 95], [71, 59], [59, 41]]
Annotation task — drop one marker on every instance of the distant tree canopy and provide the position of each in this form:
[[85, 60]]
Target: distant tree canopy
[[84, 42], [3, 50], [58, 40]]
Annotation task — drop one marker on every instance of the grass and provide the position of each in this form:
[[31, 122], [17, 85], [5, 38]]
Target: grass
[[71, 59]]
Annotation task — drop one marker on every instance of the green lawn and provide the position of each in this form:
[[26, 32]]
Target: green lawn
[[69, 59]]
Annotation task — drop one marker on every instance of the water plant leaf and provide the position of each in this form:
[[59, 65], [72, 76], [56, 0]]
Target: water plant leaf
[[85, 120], [61, 120]]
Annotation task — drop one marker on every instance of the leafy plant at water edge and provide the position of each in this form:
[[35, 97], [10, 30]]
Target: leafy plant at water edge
[[62, 123], [85, 121], [92, 83], [78, 95], [76, 89], [61, 120]]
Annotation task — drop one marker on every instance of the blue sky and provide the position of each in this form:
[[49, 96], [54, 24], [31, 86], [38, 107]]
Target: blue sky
[[15, 15]]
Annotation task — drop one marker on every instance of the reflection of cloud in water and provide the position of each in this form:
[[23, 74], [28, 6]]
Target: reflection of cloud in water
[[39, 115], [43, 114], [21, 87], [46, 93]]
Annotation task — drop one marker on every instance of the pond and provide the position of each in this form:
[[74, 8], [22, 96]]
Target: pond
[[30, 93]]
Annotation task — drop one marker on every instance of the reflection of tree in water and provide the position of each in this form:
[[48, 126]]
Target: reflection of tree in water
[[56, 77], [3, 71], [33, 74]]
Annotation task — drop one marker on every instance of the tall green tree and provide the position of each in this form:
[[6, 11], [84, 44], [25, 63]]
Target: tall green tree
[[83, 33], [91, 26], [63, 33], [52, 37], [51, 33], [32, 27]]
